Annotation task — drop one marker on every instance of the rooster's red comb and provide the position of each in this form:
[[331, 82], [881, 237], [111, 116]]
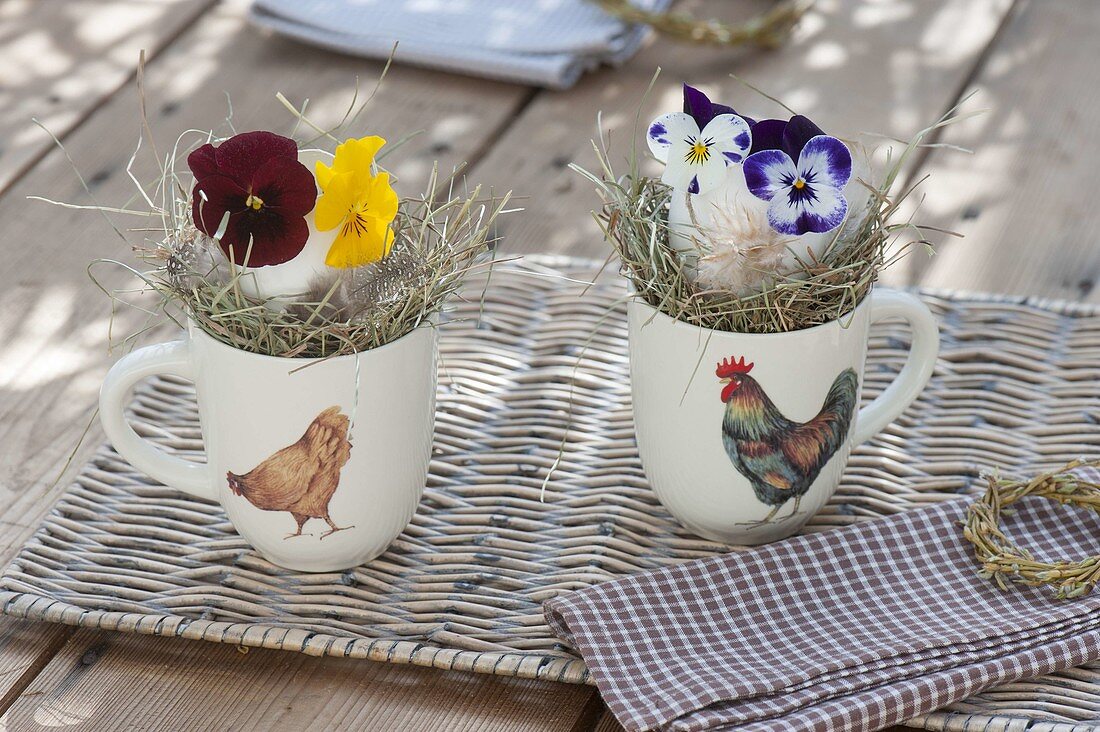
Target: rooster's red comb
[[728, 367]]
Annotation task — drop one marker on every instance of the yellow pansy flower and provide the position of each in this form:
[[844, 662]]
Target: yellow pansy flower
[[352, 156], [362, 205]]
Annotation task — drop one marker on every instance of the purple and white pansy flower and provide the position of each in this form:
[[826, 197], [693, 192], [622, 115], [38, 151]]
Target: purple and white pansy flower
[[807, 195], [698, 144]]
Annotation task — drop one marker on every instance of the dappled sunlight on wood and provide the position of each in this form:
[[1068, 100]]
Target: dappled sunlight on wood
[[895, 80], [1022, 200], [826, 55], [57, 59], [35, 351], [68, 713]]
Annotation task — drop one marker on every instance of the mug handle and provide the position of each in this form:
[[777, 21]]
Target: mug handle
[[918, 366], [164, 358]]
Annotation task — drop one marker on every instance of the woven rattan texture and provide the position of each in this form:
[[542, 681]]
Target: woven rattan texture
[[462, 588]]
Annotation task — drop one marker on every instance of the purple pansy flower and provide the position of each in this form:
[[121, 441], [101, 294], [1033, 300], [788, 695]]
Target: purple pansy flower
[[702, 110], [696, 153], [807, 196], [790, 136]]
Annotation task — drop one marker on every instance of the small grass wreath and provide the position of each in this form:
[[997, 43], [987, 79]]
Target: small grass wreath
[[767, 30], [1003, 561]]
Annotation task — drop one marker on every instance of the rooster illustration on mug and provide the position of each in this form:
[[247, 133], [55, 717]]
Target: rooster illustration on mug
[[781, 458], [301, 478]]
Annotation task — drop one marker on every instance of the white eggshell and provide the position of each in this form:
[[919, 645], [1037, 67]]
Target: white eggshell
[[293, 277], [734, 195]]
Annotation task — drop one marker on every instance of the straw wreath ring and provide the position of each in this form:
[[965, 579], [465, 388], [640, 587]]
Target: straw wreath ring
[[1002, 560]]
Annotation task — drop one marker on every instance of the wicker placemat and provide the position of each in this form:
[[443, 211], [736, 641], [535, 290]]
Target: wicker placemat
[[462, 588]]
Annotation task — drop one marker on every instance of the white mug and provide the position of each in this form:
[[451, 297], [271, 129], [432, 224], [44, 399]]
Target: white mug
[[319, 463], [743, 436]]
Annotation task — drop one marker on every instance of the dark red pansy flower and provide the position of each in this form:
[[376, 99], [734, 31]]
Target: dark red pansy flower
[[256, 179]]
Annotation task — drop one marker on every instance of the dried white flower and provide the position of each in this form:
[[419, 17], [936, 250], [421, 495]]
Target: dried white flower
[[739, 251]]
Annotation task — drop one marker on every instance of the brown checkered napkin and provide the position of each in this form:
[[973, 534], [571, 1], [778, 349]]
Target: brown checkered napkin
[[854, 629]]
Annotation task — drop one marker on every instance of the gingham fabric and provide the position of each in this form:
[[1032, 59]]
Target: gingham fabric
[[854, 629], [548, 43]]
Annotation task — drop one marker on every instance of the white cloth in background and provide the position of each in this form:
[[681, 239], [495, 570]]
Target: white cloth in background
[[542, 42]]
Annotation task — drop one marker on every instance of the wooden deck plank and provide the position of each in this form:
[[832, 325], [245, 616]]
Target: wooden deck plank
[[25, 649], [607, 723], [1024, 199], [61, 59], [889, 68], [108, 681]]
